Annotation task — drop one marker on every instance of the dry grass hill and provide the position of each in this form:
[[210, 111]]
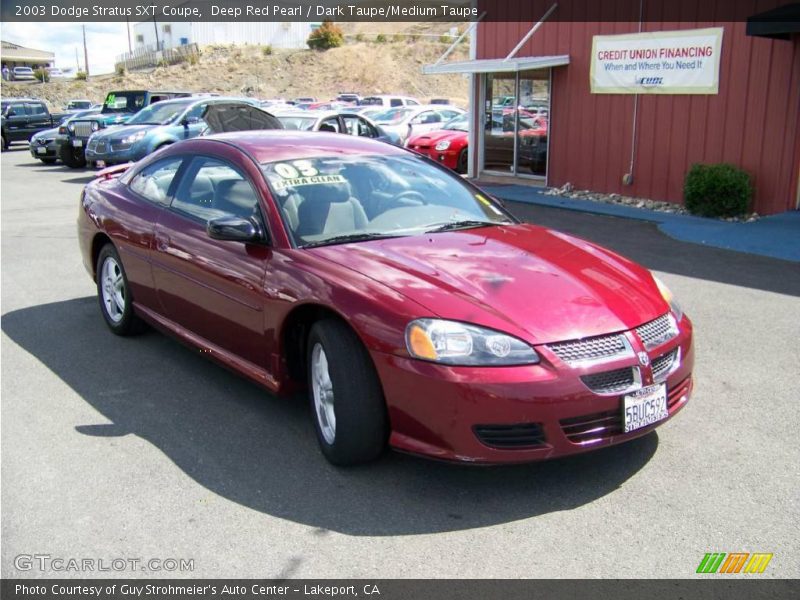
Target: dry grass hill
[[362, 65]]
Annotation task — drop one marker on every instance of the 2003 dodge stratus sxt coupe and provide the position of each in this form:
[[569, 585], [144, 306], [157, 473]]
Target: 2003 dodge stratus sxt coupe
[[418, 313]]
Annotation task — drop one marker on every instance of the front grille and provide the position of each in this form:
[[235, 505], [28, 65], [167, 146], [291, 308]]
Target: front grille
[[591, 349], [82, 128], [98, 147], [44, 141], [610, 382], [663, 365], [657, 332], [592, 428], [513, 437]]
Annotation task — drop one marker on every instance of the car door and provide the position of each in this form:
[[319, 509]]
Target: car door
[[17, 121], [38, 118], [150, 191], [425, 121], [209, 287]]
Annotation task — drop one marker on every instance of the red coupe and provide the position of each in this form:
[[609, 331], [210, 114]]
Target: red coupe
[[416, 311], [447, 146]]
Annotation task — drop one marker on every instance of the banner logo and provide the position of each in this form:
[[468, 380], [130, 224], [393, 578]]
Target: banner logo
[[734, 562]]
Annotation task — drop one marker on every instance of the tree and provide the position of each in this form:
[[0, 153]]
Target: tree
[[328, 35]]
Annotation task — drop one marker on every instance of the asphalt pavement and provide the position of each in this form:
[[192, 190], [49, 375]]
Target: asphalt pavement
[[141, 449]]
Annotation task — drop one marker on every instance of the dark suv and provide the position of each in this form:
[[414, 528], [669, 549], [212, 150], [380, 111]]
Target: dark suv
[[118, 108], [22, 118]]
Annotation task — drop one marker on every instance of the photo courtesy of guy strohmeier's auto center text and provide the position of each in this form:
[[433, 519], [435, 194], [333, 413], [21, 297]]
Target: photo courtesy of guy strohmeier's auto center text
[[399, 299]]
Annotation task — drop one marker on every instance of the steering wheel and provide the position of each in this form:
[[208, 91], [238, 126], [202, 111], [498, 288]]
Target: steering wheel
[[410, 197]]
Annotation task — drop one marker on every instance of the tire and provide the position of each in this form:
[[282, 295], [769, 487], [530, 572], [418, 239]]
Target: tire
[[5, 143], [463, 161], [344, 391], [48, 161], [74, 158], [113, 290]]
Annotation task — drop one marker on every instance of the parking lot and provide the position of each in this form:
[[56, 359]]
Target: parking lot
[[139, 448]]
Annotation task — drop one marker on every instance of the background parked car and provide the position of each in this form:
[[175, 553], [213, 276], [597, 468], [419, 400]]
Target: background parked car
[[22, 74], [388, 101], [118, 109], [21, 118], [45, 145], [76, 105], [409, 120], [347, 122], [55, 73], [448, 145]]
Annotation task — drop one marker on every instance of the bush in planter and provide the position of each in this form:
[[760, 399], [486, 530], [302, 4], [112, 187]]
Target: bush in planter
[[720, 190], [41, 75], [81, 76]]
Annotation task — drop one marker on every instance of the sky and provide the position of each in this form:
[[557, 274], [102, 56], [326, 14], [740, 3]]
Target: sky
[[105, 42]]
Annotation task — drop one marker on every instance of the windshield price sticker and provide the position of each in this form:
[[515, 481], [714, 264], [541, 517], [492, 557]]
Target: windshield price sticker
[[282, 184]]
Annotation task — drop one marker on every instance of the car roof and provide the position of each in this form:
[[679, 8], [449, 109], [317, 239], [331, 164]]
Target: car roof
[[276, 145]]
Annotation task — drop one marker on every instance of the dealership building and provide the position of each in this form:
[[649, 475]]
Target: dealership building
[[630, 105]]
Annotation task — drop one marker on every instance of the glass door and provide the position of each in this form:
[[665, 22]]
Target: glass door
[[532, 123], [498, 132]]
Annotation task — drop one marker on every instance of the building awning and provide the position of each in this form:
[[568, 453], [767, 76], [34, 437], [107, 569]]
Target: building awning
[[779, 23], [498, 65]]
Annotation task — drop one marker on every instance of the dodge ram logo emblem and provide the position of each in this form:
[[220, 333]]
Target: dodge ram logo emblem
[[644, 360]]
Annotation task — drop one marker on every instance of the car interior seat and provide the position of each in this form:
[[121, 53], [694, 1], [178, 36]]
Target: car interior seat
[[329, 209], [236, 197], [327, 127]]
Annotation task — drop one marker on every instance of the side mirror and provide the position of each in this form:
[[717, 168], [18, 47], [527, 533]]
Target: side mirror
[[234, 229], [10, 112]]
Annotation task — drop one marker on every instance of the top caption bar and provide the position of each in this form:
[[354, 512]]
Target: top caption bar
[[521, 11]]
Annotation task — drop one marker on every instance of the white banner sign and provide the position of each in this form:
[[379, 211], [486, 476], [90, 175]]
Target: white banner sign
[[664, 62]]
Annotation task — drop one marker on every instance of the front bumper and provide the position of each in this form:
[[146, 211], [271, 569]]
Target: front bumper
[[107, 154], [444, 412], [47, 151], [448, 158]]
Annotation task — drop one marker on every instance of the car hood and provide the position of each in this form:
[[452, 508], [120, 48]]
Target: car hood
[[535, 283], [434, 137], [122, 131], [46, 134]]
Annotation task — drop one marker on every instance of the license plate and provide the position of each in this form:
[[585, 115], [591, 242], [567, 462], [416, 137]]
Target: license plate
[[41, 150], [645, 407], [77, 143]]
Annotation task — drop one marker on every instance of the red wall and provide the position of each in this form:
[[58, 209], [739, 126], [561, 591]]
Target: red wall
[[754, 121]]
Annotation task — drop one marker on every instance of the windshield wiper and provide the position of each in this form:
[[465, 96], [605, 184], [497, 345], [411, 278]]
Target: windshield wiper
[[466, 224], [350, 237]]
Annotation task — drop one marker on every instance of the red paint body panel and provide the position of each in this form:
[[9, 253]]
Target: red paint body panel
[[234, 300], [754, 121], [425, 144]]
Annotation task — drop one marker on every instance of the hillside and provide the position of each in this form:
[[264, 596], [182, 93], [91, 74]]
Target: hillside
[[365, 67]]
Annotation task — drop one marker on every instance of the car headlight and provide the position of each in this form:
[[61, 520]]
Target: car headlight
[[666, 293], [95, 126], [71, 127], [455, 343], [134, 137], [443, 145]]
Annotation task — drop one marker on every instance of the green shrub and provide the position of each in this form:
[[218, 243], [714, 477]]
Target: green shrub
[[328, 35], [380, 38], [360, 37], [446, 38], [120, 69], [193, 59], [720, 190], [81, 75], [267, 50], [41, 74]]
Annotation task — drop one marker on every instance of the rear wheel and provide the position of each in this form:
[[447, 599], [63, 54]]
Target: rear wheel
[[114, 294], [73, 157], [5, 143], [48, 161], [345, 394]]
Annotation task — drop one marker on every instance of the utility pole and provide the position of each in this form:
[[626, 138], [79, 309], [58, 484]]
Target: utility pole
[[77, 62], [155, 28], [128, 26], [85, 53]]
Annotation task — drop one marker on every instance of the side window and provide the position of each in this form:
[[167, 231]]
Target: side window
[[331, 125], [448, 114], [396, 102], [20, 110], [153, 182], [36, 108], [196, 112], [213, 189], [365, 129], [426, 117], [411, 102]]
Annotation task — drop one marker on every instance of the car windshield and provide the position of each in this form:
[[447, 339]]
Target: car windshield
[[23, 70], [297, 122], [394, 115], [160, 113], [458, 123], [124, 102], [78, 104], [342, 199]]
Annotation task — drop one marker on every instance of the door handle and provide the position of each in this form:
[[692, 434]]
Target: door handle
[[162, 242]]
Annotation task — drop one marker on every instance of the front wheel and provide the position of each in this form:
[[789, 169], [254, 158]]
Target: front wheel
[[463, 161], [114, 294], [346, 397], [73, 157]]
